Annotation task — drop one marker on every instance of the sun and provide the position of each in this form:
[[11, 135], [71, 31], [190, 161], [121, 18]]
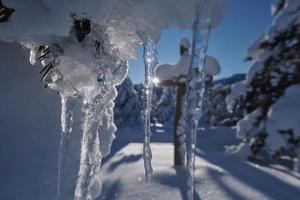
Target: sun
[[155, 80]]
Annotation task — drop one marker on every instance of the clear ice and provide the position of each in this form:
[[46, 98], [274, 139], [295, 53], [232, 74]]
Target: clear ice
[[150, 60], [195, 92]]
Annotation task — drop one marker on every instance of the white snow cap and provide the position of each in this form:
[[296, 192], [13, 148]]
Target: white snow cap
[[181, 68], [185, 43], [212, 66]]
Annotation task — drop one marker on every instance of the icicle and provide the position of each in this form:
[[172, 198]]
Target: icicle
[[195, 91], [67, 105], [90, 158], [150, 60]]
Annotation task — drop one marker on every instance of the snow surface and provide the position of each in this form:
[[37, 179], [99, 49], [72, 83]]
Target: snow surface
[[218, 175]]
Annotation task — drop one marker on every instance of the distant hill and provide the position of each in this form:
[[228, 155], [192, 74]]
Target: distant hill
[[231, 80]]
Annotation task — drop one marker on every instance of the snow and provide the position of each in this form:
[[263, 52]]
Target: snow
[[253, 71], [284, 18], [97, 98], [118, 26], [284, 115], [247, 124], [286, 14], [121, 26], [181, 68], [127, 22], [30, 133], [212, 66], [80, 69], [218, 175], [277, 6], [237, 90]]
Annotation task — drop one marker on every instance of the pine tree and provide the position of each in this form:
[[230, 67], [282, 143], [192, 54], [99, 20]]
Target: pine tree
[[276, 68]]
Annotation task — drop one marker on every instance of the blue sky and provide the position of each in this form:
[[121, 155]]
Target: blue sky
[[243, 22]]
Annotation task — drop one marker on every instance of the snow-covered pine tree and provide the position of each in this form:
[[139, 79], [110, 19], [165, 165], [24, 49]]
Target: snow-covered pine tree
[[129, 104], [164, 110], [127, 107], [275, 73], [214, 105]]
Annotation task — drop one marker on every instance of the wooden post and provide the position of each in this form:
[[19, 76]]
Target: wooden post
[[179, 145], [179, 157]]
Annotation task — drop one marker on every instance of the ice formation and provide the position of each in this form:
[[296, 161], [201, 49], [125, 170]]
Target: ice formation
[[206, 11], [150, 60], [67, 106], [90, 70], [90, 62]]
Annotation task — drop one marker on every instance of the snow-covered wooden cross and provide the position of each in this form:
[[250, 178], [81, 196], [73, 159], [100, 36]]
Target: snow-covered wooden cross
[[175, 76]]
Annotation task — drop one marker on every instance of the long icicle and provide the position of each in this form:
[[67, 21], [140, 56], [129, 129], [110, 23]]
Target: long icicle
[[195, 91], [67, 106], [91, 157], [150, 60]]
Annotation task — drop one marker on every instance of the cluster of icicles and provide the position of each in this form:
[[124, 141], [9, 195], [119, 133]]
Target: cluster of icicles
[[84, 68], [193, 98], [98, 98]]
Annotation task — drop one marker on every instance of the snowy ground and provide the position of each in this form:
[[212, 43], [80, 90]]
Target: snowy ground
[[219, 175]]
